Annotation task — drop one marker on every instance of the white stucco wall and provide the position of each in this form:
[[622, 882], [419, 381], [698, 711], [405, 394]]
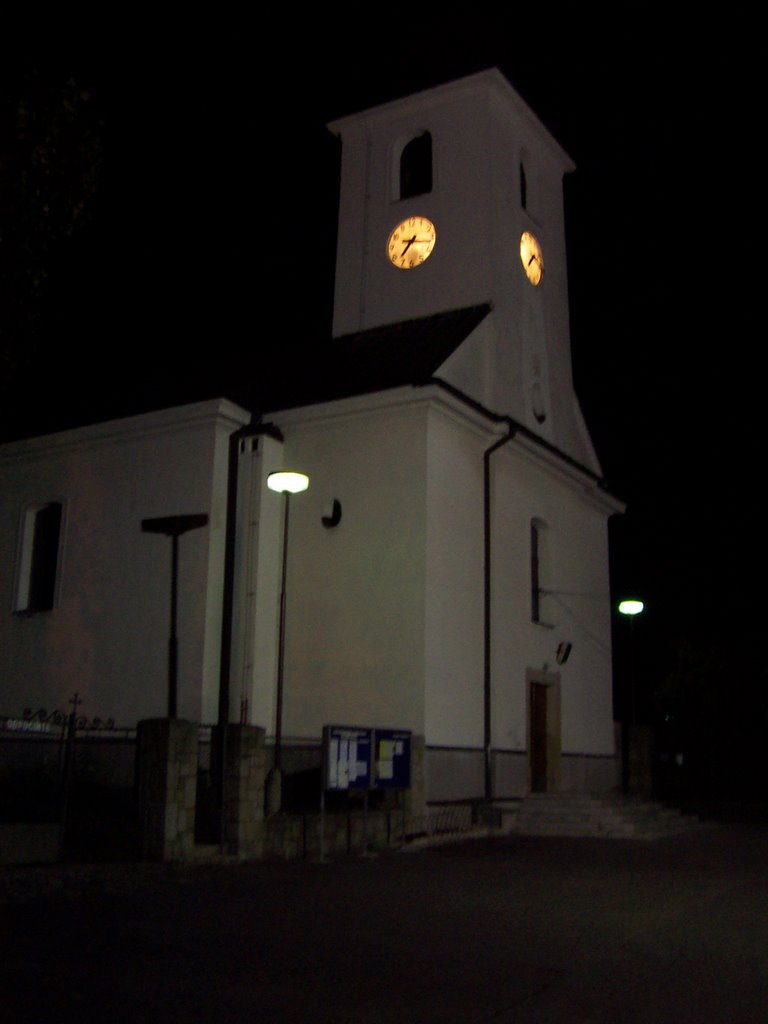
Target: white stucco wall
[[386, 611], [355, 593], [528, 486], [454, 635], [107, 636], [526, 483]]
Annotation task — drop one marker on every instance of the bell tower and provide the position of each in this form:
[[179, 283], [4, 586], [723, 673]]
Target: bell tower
[[452, 198]]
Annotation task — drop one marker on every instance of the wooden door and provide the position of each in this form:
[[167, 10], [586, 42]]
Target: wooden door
[[538, 735]]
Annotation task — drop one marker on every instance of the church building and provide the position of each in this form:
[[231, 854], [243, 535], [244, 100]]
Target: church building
[[445, 570]]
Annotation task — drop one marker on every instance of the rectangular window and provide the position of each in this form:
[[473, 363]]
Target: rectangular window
[[38, 558], [535, 584], [541, 573]]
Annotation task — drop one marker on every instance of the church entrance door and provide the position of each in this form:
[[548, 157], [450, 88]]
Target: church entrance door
[[538, 749], [544, 731]]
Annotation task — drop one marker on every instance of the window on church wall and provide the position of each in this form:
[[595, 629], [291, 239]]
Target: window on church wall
[[416, 166], [37, 569], [523, 187], [540, 572]]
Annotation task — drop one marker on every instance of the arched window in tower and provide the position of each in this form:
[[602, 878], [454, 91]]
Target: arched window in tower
[[523, 187], [416, 166]]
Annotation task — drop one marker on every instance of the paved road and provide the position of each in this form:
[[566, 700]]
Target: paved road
[[493, 931]]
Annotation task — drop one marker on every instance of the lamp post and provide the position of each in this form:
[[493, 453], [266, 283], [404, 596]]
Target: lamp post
[[173, 527], [284, 482], [631, 608]]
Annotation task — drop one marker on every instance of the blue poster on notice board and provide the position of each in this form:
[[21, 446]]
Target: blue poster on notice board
[[347, 757], [392, 759]]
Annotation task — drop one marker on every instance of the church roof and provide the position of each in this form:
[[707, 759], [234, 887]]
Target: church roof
[[394, 355], [260, 377]]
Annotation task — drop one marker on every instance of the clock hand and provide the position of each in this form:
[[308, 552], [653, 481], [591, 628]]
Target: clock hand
[[408, 245]]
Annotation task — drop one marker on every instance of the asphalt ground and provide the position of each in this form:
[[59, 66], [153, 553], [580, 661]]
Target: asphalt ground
[[488, 931]]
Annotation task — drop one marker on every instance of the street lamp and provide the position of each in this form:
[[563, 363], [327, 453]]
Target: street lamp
[[284, 482], [631, 608], [173, 527]]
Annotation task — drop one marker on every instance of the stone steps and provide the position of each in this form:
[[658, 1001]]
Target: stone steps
[[605, 815]]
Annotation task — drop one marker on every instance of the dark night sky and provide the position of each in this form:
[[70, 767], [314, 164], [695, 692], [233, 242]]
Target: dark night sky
[[211, 131]]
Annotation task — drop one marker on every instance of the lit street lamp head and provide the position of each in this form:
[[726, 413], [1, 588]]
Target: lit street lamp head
[[631, 607], [285, 480]]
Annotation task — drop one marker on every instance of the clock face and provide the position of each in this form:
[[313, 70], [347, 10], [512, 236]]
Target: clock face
[[531, 257], [411, 242]]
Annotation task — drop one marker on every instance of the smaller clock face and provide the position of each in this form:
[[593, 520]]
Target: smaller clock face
[[531, 257], [411, 242]]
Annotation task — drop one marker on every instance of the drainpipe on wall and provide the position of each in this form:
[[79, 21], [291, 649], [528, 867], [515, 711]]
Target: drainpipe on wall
[[511, 431], [250, 430], [219, 752]]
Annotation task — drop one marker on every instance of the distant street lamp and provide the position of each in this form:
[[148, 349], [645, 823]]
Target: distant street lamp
[[631, 608], [286, 483]]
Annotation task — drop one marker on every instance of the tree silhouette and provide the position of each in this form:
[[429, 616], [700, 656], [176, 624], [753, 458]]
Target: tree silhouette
[[51, 161]]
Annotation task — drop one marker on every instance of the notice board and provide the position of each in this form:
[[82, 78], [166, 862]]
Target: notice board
[[365, 757], [392, 758], [347, 757]]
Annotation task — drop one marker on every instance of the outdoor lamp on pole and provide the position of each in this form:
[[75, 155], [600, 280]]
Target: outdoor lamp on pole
[[286, 483], [630, 607], [173, 527]]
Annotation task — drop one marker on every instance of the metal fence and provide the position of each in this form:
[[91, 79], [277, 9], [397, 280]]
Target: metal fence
[[79, 773], [65, 769]]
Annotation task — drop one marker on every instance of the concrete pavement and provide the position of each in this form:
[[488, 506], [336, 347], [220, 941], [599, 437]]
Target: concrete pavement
[[490, 931]]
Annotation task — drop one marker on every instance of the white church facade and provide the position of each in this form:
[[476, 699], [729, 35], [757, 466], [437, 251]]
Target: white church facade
[[447, 567]]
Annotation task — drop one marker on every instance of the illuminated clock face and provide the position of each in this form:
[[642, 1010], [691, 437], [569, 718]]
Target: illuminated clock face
[[411, 242], [531, 257]]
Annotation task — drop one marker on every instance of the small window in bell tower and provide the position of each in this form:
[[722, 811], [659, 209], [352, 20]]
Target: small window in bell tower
[[416, 166], [523, 188]]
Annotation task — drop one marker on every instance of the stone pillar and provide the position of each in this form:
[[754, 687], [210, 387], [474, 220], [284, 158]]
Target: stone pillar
[[166, 751], [415, 797], [243, 790]]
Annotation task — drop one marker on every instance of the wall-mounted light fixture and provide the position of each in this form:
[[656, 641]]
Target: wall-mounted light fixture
[[563, 652], [333, 516]]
